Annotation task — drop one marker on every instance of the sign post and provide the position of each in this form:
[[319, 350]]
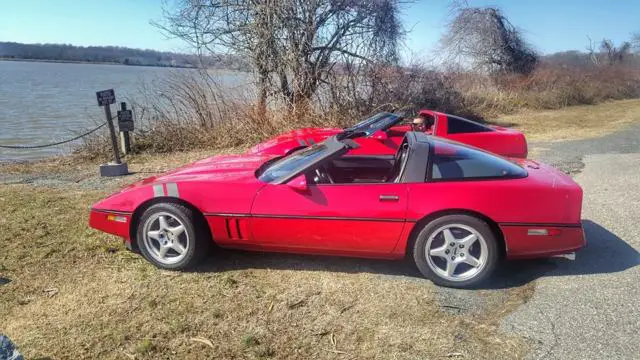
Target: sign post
[[118, 168], [125, 125]]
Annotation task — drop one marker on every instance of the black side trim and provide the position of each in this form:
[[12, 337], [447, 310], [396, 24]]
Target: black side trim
[[542, 225], [325, 218], [111, 211], [227, 215], [310, 217]]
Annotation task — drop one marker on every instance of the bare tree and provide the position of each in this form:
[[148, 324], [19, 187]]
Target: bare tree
[[635, 42], [293, 45], [591, 50], [614, 54], [485, 39]]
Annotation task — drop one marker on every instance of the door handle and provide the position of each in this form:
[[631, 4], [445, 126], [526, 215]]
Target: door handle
[[389, 197]]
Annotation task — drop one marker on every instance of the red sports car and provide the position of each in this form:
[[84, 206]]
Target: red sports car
[[453, 209], [383, 133]]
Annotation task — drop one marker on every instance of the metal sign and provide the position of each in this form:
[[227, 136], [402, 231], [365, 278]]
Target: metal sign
[[125, 120], [106, 97]]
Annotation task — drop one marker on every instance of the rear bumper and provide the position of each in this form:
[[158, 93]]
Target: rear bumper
[[525, 241], [112, 222]]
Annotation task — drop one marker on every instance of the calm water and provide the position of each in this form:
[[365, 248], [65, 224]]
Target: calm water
[[47, 102]]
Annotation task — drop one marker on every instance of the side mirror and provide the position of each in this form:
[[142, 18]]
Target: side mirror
[[299, 183], [380, 135]]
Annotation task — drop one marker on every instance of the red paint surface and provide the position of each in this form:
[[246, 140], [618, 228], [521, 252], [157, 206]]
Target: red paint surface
[[521, 245], [502, 141], [330, 217], [351, 219], [98, 220]]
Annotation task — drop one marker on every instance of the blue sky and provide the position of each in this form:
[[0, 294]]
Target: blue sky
[[550, 25]]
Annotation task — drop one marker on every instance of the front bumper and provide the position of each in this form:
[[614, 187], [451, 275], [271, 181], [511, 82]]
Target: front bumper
[[112, 222]]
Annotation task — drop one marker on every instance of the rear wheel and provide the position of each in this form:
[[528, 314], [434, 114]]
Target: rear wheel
[[171, 237], [456, 251]]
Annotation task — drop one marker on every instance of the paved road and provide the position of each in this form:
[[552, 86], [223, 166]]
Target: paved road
[[590, 308]]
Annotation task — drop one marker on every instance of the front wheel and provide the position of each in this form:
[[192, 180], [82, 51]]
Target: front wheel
[[456, 251], [171, 236]]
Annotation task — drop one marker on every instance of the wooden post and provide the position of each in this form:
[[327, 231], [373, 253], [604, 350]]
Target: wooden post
[[118, 168], [125, 139], [112, 130]]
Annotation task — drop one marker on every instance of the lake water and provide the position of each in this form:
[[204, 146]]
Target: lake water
[[46, 102]]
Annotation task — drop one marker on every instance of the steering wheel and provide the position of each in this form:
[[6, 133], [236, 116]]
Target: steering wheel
[[324, 175]]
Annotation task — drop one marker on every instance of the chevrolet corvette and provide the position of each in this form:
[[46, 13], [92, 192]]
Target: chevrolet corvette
[[384, 132], [455, 210]]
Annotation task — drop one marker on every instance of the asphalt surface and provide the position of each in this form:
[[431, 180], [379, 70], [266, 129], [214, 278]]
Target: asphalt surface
[[590, 308]]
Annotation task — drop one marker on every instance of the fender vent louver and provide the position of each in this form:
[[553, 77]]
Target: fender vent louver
[[238, 228], [226, 222], [234, 230]]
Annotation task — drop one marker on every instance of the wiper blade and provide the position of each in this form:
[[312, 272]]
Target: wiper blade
[[350, 134]]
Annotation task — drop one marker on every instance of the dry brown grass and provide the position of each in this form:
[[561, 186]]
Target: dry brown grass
[[575, 122], [77, 293], [548, 87]]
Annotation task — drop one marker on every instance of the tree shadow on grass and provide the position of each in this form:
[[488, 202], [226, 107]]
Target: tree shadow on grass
[[605, 253]]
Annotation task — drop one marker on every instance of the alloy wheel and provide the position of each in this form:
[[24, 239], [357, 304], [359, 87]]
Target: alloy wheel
[[456, 252], [165, 238]]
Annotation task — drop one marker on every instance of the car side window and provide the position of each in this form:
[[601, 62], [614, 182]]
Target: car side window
[[458, 125], [455, 162]]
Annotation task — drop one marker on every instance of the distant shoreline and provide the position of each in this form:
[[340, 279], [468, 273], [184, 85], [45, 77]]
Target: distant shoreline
[[91, 62]]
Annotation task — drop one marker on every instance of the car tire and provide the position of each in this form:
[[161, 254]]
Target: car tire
[[463, 251], [171, 236]]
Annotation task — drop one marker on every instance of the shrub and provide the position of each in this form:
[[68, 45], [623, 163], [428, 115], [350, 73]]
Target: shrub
[[199, 113]]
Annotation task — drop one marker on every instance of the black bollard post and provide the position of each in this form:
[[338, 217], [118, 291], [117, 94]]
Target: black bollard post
[[124, 130]]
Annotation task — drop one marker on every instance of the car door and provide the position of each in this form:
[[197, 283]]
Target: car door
[[330, 218]]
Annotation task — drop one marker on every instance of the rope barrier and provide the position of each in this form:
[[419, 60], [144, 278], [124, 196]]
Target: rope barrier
[[52, 144]]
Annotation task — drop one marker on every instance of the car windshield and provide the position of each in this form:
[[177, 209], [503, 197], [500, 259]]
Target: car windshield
[[381, 121], [296, 160]]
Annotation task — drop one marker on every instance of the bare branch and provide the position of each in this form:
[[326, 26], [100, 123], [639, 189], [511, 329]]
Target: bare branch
[[484, 39], [297, 42]]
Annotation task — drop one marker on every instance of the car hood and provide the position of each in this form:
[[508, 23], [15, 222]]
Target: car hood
[[292, 139], [223, 168], [219, 183]]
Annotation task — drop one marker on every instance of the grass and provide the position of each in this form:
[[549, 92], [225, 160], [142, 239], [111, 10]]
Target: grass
[[575, 122], [77, 293]]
